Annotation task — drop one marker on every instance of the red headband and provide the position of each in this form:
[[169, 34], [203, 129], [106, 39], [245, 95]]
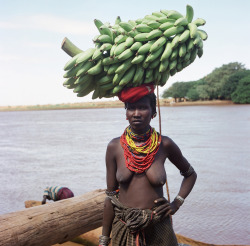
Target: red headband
[[133, 94]]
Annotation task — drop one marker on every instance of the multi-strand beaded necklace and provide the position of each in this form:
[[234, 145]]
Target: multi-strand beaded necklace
[[139, 158]]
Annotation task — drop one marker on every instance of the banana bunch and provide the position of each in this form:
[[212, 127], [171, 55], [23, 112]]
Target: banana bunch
[[128, 54]]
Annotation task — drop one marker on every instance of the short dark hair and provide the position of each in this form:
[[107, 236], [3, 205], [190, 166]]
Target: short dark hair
[[152, 100]]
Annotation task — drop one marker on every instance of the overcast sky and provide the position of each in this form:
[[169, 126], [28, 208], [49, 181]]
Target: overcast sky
[[31, 33]]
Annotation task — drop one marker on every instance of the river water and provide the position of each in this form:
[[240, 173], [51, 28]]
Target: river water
[[67, 148]]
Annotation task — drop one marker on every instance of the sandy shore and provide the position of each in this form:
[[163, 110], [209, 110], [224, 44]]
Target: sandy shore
[[107, 104]]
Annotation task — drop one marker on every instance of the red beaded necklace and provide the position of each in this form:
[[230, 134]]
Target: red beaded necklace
[[139, 158]]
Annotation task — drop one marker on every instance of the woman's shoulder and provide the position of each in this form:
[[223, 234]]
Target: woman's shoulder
[[114, 143], [167, 141]]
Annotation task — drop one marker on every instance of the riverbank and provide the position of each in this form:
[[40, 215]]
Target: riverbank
[[107, 104]]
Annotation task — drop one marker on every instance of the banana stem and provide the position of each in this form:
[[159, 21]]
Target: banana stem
[[70, 48]]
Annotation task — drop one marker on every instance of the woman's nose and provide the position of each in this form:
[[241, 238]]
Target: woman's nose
[[137, 113]]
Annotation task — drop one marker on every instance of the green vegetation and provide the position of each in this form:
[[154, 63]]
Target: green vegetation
[[228, 82]]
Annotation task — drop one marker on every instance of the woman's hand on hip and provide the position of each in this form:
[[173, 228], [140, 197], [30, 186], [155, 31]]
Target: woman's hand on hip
[[165, 208]]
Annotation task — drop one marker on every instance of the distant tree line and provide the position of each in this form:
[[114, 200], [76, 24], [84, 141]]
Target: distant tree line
[[228, 82]]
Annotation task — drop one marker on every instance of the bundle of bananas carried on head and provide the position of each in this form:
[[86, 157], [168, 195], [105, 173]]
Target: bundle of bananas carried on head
[[127, 54]]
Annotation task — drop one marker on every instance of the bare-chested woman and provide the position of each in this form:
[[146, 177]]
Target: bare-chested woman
[[135, 210]]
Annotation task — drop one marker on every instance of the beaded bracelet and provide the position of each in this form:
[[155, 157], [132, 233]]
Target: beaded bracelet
[[188, 172], [104, 240], [111, 193]]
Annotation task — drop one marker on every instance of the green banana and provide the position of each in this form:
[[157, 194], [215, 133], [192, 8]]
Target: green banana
[[141, 37], [164, 78], [112, 68], [199, 22], [194, 53], [98, 24], [165, 12], [200, 53], [166, 25], [138, 74], [105, 47], [129, 41], [193, 30], [117, 78], [152, 56], [89, 89], [86, 55], [83, 79], [154, 64], [71, 63], [124, 66], [109, 60], [126, 54], [73, 71], [179, 67], [203, 35], [167, 52], [174, 54], [126, 26], [120, 39], [184, 36], [82, 86], [129, 74], [106, 30], [145, 48], [104, 39], [174, 14], [118, 20], [132, 23], [106, 87], [187, 56], [143, 28], [182, 21], [173, 72], [158, 43], [117, 89], [138, 59], [133, 33], [154, 24], [106, 68], [182, 50], [190, 44], [158, 14], [163, 66], [105, 80], [96, 93], [112, 50], [189, 13], [149, 73], [69, 81], [154, 34], [138, 21], [98, 68], [151, 17], [173, 31], [97, 54], [175, 41], [84, 68], [136, 46], [120, 48]]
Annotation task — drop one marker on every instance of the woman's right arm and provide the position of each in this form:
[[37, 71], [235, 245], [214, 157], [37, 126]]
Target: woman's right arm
[[112, 185]]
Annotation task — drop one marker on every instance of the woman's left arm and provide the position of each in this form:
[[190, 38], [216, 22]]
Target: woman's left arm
[[189, 178]]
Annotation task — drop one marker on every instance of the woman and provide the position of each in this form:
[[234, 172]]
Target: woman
[[135, 210]]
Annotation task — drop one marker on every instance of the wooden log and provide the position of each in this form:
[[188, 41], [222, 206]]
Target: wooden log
[[53, 223]]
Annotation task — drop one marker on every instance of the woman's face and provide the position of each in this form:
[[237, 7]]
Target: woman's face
[[139, 115]]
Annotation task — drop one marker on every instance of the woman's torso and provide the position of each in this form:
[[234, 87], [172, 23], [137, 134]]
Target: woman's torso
[[140, 190]]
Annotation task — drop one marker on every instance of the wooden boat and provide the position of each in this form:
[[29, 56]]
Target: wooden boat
[[71, 222]]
